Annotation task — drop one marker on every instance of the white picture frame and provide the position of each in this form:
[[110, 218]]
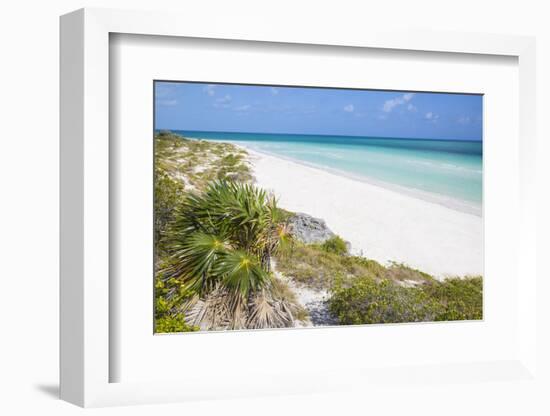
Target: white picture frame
[[85, 211]]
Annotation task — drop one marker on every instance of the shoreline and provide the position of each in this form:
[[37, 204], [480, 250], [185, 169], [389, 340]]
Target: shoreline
[[381, 224], [459, 205]]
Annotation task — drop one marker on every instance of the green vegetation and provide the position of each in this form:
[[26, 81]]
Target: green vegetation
[[229, 229], [363, 291], [169, 295], [168, 193], [215, 237], [177, 323], [335, 245], [320, 266], [220, 244], [365, 300], [196, 163], [183, 166], [460, 298]]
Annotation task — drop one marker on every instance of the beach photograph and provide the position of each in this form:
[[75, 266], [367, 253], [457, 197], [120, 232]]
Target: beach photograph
[[299, 207]]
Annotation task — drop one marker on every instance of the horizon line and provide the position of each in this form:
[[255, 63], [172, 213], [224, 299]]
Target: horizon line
[[325, 135]]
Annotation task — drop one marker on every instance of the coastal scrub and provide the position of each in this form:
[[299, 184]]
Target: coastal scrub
[[226, 256], [368, 301]]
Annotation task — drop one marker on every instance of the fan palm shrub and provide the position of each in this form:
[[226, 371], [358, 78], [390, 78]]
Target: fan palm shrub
[[221, 244]]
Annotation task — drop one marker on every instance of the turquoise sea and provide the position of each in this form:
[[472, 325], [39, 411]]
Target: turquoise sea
[[450, 170]]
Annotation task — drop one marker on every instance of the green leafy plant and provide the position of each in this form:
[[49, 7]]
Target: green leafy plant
[[461, 299], [335, 245], [168, 315], [220, 244], [176, 323], [168, 193], [367, 300]]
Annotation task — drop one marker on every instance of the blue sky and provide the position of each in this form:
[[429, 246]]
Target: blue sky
[[265, 109]]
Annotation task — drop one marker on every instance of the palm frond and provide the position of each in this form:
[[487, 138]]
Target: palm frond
[[241, 272], [195, 260]]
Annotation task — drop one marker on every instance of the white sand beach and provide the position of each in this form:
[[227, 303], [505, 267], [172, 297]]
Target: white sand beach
[[380, 223]]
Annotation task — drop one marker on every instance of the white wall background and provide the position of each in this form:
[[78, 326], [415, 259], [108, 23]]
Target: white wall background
[[29, 205]]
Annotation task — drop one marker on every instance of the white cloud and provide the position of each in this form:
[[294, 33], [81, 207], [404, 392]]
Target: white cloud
[[464, 120], [225, 99], [349, 108], [274, 91], [167, 103], [431, 116], [223, 102], [210, 89], [166, 93], [309, 109], [164, 90], [242, 107], [389, 105], [411, 107]]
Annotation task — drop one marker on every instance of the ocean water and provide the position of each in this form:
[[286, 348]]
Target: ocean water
[[446, 171]]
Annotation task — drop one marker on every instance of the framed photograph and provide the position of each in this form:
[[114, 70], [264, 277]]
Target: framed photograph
[[393, 180], [323, 213]]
